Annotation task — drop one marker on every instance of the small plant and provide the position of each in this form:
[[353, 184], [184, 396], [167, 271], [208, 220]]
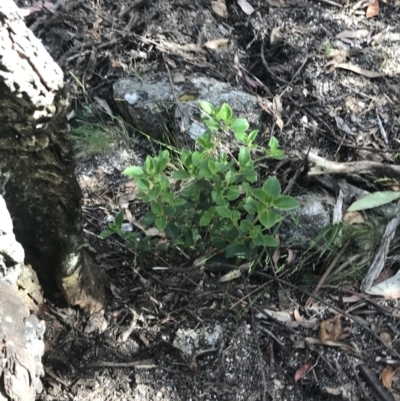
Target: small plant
[[210, 201]]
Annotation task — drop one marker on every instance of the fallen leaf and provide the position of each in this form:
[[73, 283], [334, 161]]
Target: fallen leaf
[[333, 390], [359, 70], [297, 315], [291, 257], [276, 3], [214, 44], [278, 315], [373, 9], [219, 7], [235, 273], [385, 337], [359, 34], [246, 7], [351, 218], [347, 300], [104, 105], [301, 372], [387, 376], [331, 329], [389, 288]]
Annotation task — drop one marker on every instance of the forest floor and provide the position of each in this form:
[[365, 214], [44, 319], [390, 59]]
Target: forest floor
[[331, 70]]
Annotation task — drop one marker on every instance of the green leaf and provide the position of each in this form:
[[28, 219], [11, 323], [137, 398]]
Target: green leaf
[[205, 220], [223, 211], [161, 222], [179, 202], [272, 186], [234, 250], [162, 163], [134, 171], [205, 172], [224, 113], [241, 136], [244, 156], [156, 208], [260, 194], [256, 231], [207, 107], [270, 241], [273, 143], [277, 154], [251, 205], [170, 210], [164, 182], [250, 175], [246, 226], [211, 124], [148, 219], [106, 233], [269, 218], [285, 202], [154, 192], [252, 135], [119, 219], [172, 231], [239, 125], [186, 157], [181, 175], [196, 158], [374, 200], [212, 166], [150, 165], [246, 188], [143, 184], [232, 193], [229, 177]]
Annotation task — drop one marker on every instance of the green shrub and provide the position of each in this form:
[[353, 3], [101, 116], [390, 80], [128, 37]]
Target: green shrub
[[210, 202]]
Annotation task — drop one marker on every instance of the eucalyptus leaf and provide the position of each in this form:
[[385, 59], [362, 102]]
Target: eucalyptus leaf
[[374, 200]]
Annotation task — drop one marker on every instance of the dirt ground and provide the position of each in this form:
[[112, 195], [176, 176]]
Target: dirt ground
[[179, 333]]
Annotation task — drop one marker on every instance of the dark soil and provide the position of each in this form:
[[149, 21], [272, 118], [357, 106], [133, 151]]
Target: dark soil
[[179, 333]]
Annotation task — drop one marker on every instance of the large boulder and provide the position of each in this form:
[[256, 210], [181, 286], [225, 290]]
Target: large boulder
[[154, 107], [21, 332]]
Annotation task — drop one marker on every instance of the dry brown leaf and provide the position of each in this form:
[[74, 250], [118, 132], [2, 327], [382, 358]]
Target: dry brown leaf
[[246, 7], [297, 315], [235, 273], [351, 218], [373, 9], [387, 376], [214, 44], [301, 372], [219, 7], [385, 337], [333, 390], [347, 300], [278, 315], [359, 34], [276, 3], [104, 105], [291, 257], [331, 329], [359, 70]]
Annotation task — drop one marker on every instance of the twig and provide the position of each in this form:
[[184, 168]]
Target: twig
[[264, 394], [324, 166], [273, 75]]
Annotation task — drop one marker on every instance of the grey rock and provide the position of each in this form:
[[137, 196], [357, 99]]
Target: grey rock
[[303, 224], [150, 104]]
